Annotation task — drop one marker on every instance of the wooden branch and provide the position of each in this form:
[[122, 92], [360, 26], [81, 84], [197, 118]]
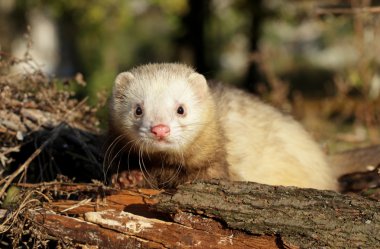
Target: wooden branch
[[74, 231], [352, 10], [356, 160], [304, 217], [100, 197], [214, 214], [124, 200], [125, 219], [118, 229]]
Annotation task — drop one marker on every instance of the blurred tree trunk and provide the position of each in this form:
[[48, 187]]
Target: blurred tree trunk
[[194, 37], [12, 24], [70, 62], [257, 13]]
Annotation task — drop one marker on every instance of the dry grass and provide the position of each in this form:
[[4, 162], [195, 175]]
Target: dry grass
[[44, 131]]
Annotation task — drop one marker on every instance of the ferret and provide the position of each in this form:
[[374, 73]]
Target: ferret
[[168, 126]]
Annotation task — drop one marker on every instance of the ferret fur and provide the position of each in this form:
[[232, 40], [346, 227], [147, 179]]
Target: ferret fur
[[225, 133]]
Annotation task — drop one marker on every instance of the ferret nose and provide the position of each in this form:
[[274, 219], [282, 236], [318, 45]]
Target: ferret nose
[[160, 131]]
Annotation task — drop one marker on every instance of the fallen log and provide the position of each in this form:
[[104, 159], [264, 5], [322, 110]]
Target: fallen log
[[303, 217], [211, 214], [118, 229], [125, 219]]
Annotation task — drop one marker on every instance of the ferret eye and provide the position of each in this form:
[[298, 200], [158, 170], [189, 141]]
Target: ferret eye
[[180, 110], [138, 111]]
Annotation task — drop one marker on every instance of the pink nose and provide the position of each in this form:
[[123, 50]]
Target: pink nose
[[160, 131]]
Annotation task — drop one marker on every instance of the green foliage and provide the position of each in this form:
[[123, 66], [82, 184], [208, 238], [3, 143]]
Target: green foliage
[[112, 35], [296, 44]]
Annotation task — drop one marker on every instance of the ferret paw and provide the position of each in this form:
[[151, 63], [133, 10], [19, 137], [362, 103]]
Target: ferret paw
[[127, 179]]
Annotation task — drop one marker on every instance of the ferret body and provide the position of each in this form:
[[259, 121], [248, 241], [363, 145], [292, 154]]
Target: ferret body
[[167, 122]]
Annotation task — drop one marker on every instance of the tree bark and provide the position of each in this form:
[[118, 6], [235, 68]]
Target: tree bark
[[303, 217], [119, 229], [207, 214], [126, 219]]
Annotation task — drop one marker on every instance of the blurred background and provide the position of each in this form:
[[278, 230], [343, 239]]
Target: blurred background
[[318, 60]]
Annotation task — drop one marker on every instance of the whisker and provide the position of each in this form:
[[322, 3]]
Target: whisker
[[142, 166], [108, 153], [110, 148], [117, 154], [178, 170]]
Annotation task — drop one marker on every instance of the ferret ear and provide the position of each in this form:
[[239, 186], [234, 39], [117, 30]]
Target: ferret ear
[[123, 79], [199, 83]]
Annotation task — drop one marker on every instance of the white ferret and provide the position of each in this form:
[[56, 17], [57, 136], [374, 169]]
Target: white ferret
[[167, 123]]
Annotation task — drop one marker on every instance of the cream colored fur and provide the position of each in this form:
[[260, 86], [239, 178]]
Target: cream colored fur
[[261, 144], [268, 147]]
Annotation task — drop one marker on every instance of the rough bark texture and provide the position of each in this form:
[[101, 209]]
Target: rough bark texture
[[75, 231], [213, 214], [125, 219], [119, 229], [304, 217]]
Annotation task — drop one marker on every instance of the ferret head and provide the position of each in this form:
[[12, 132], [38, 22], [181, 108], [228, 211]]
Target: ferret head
[[160, 107]]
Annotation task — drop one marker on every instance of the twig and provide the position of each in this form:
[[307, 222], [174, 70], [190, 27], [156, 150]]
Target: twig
[[26, 200], [4, 152], [81, 203], [4, 180], [56, 131], [77, 106], [56, 184], [325, 11]]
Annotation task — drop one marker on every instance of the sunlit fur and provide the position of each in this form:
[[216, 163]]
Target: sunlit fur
[[166, 91], [225, 133], [159, 89], [268, 147]]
